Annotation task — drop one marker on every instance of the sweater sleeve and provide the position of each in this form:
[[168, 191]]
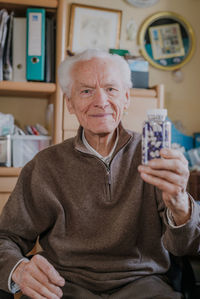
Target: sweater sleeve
[[15, 241], [22, 221], [184, 239]]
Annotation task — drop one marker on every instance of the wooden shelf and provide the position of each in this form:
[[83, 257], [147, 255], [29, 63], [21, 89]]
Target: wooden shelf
[[38, 3], [11, 88], [140, 92], [9, 171]]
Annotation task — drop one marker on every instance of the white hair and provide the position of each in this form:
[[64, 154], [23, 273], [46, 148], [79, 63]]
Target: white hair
[[65, 68]]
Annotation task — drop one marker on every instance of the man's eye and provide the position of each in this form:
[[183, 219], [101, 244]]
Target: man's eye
[[85, 91], [111, 89]]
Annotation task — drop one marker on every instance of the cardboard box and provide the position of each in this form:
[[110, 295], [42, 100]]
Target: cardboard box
[[139, 73]]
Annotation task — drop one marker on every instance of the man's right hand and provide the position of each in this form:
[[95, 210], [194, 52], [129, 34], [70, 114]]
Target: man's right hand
[[38, 279]]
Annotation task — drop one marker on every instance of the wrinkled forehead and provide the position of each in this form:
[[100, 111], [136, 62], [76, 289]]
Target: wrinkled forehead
[[96, 69]]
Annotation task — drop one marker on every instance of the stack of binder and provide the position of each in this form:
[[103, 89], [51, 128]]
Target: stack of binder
[[27, 46]]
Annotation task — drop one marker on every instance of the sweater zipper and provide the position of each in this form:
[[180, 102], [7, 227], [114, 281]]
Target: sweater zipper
[[109, 183], [109, 173]]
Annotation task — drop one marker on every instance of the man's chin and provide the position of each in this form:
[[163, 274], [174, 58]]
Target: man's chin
[[102, 131]]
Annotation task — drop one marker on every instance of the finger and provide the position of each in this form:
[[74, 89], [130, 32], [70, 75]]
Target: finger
[[174, 165], [49, 270], [40, 277], [32, 294], [30, 283], [169, 153], [166, 175], [173, 190], [162, 169]]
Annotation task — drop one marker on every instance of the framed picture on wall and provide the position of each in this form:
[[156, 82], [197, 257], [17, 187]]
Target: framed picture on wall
[[166, 41], [94, 27]]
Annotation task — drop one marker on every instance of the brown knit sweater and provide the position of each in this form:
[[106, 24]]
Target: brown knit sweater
[[101, 228]]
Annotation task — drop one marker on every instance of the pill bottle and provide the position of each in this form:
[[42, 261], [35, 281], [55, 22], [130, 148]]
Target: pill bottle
[[156, 134]]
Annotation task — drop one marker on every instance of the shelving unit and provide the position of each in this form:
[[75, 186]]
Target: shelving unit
[[31, 91]]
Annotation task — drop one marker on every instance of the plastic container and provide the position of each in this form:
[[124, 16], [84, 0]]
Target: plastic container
[[5, 151], [25, 147], [156, 134]]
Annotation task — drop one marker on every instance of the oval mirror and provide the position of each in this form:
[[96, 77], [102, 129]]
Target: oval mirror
[[166, 40]]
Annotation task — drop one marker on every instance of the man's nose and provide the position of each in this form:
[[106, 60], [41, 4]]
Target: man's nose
[[101, 98]]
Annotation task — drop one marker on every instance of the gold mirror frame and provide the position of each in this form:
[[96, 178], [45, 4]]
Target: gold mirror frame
[[150, 39]]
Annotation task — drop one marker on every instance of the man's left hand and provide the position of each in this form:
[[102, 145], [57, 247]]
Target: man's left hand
[[170, 174]]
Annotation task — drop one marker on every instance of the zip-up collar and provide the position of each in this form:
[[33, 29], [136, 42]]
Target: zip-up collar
[[124, 137], [106, 159]]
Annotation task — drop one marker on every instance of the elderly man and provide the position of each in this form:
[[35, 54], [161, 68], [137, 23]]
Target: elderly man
[[106, 224]]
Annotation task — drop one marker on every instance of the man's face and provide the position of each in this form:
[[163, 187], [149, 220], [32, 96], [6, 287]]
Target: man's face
[[98, 97]]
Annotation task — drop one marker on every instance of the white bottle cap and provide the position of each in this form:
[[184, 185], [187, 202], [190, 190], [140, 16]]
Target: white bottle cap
[[156, 112]]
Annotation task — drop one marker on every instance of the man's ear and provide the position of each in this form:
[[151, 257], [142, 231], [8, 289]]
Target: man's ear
[[127, 99], [69, 105]]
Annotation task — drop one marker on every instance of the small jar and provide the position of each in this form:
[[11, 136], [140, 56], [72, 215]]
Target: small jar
[[156, 134]]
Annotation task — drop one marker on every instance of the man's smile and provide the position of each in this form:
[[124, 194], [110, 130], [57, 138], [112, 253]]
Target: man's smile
[[101, 114]]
